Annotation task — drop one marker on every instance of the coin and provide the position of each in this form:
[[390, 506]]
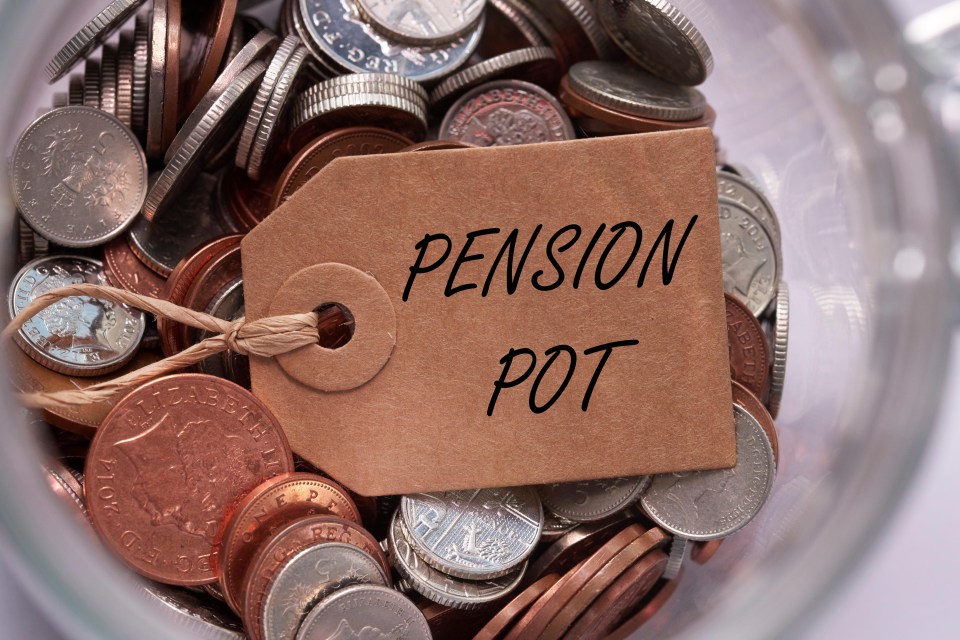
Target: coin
[[126, 271], [272, 505], [365, 611], [202, 616], [781, 335], [275, 114], [440, 587], [70, 492], [229, 305], [537, 65], [215, 277], [309, 577], [207, 27], [749, 358], [185, 225], [422, 22], [79, 176], [348, 43], [678, 551], [355, 141], [658, 37], [141, 75], [499, 624], [108, 79], [743, 397], [621, 86], [662, 593], [447, 623], [474, 534], [506, 112], [76, 90], [168, 464], [742, 190], [751, 259], [91, 84], [577, 545], [77, 336], [578, 34], [703, 552], [555, 527], [507, 30], [164, 76], [592, 500], [92, 34], [703, 505], [245, 203], [125, 79]]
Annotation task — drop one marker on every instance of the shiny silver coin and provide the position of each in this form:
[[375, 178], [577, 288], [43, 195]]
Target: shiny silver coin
[[350, 43], [91, 84], [423, 22], [706, 505], [658, 37], [624, 87], [141, 75], [196, 617], [108, 79], [125, 79], [504, 113], [362, 612], [92, 34], [678, 553], [78, 336], [744, 190], [79, 176], [475, 534], [751, 257], [529, 62], [440, 587], [592, 500], [389, 83], [189, 223], [781, 335], [310, 576]]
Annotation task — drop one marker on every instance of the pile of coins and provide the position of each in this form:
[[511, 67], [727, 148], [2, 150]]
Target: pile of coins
[[183, 133]]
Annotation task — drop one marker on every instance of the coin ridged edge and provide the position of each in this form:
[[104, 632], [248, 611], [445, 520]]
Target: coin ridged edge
[[487, 69], [522, 23], [369, 79], [780, 343], [596, 34], [678, 552], [635, 107], [125, 79], [141, 74], [109, 67], [88, 37], [304, 100], [276, 107], [330, 105]]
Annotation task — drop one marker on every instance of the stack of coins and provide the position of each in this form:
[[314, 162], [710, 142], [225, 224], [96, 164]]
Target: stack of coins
[[184, 127]]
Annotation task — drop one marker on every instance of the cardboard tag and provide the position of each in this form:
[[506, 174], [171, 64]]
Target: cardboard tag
[[501, 336]]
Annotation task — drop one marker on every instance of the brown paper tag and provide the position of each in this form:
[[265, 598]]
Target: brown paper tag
[[501, 336]]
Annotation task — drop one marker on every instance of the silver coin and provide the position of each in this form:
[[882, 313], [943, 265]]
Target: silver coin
[[555, 527], [440, 587], [751, 258], [624, 87], [79, 176], [781, 335], [365, 612], [529, 62], [108, 79], [475, 534], [389, 83], [190, 222], [592, 500], [196, 617], [658, 37], [388, 110], [352, 44], [678, 553], [706, 505], [141, 74], [26, 251], [76, 89], [743, 190], [309, 577], [92, 34], [125, 79], [423, 22], [506, 112], [91, 84], [78, 336]]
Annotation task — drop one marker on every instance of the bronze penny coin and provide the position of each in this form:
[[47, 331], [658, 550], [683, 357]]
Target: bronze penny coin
[[495, 629], [519, 630], [248, 202], [575, 546], [169, 463], [753, 406], [274, 504], [584, 591], [622, 597], [126, 271], [283, 545], [749, 354], [354, 141], [207, 26], [661, 594], [211, 280], [703, 552]]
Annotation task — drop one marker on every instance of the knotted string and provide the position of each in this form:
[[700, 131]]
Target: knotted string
[[267, 337]]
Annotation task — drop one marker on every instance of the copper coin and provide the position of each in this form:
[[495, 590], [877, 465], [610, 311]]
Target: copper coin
[[438, 145], [210, 281], [179, 282], [65, 487], [516, 608], [283, 545], [622, 597], [402, 122], [584, 591], [750, 402], [66, 475], [447, 623], [167, 465], [661, 595], [207, 26], [519, 629], [576, 545], [248, 202], [355, 141], [577, 105], [703, 552], [749, 355], [274, 504], [164, 76], [126, 271]]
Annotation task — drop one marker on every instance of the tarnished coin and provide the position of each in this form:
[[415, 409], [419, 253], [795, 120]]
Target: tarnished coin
[[245, 203], [308, 578], [441, 587], [703, 505], [449, 623], [592, 500], [79, 176], [222, 270], [423, 22], [125, 65], [751, 258], [108, 79], [781, 336], [662, 593], [169, 463], [202, 616], [365, 611], [658, 37], [743, 397], [475, 534], [506, 112], [275, 114], [742, 190], [577, 545], [77, 336], [621, 86], [348, 42], [508, 29], [534, 64], [206, 28], [507, 615], [749, 357], [575, 31], [93, 33], [126, 271]]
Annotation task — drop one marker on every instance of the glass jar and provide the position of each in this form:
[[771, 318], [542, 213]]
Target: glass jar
[[820, 102]]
